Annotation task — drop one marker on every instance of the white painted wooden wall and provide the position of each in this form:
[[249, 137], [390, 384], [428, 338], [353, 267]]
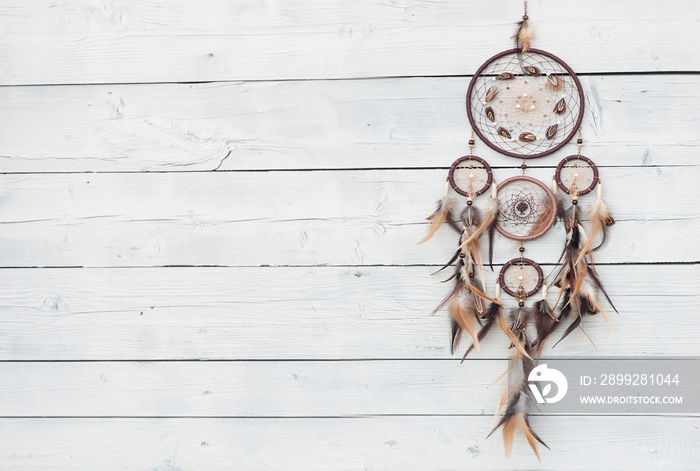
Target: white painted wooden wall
[[209, 213]]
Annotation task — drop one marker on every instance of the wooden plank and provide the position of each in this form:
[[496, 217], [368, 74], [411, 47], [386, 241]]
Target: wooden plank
[[99, 41], [250, 389], [304, 313], [390, 123], [301, 218], [286, 389], [350, 443]]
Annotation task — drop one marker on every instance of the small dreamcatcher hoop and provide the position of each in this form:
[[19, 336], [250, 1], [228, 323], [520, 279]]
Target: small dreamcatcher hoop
[[521, 278], [576, 175], [525, 104], [470, 176], [526, 208]]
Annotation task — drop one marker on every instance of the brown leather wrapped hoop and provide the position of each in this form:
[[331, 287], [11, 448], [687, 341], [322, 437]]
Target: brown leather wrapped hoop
[[510, 205], [535, 100], [516, 262], [594, 178], [467, 158]]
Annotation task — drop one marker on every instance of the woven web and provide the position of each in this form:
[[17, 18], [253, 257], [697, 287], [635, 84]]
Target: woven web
[[470, 176], [525, 104], [521, 277], [577, 176], [525, 209]]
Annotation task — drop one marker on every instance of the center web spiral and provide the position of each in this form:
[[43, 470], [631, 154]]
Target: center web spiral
[[525, 209]]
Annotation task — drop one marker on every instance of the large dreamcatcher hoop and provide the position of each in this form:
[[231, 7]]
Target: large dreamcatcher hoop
[[526, 208], [525, 104]]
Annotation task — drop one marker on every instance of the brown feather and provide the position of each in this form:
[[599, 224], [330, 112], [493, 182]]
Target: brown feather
[[456, 335], [493, 312], [518, 423], [579, 276], [545, 322], [523, 35], [551, 131], [528, 137], [457, 287], [560, 107], [530, 435], [554, 82], [490, 114], [531, 70], [517, 396], [483, 224], [464, 316], [503, 132], [509, 433], [482, 295], [582, 307], [561, 208], [543, 220], [452, 260], [571, 328], [601, 219], [596, 281], [511, 336], [492, 235], [505, 76], [439, 216], [491, 93], [593, 306], [572, 273]]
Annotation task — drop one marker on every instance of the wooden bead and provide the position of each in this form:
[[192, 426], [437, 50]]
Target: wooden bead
[[574, 202], [462, 255], [522, 249], [523, 166], [471, 142], [469, 202], [521, 304]]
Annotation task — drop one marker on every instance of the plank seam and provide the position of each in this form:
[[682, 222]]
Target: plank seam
[[312, 417], [301, 170], [134, 267], [335, 79]]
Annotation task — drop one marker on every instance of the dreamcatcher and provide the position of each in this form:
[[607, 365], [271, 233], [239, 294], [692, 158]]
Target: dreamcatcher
[[523, 103], [577, 277], [521, 278], [469, 176], [527, 210]]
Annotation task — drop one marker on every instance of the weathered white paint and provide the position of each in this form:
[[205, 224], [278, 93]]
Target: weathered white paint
[[129, 249], [300, 218], [270, 313], [388, 123], [250, 389], [577, 443], [256, 389], [102, 41]]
